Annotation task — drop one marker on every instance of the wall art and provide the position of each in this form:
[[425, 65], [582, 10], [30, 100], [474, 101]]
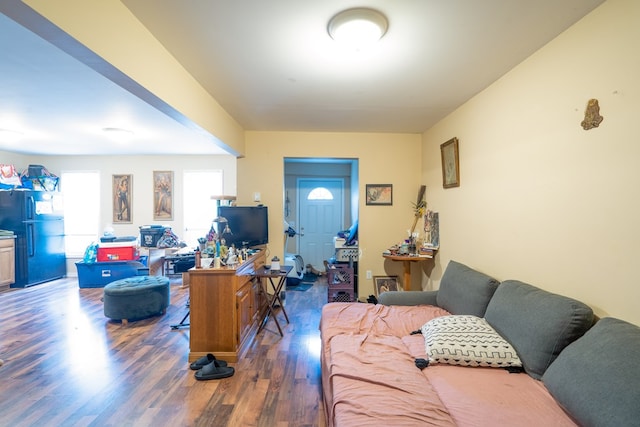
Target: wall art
[[379, 194], [122, 198], [162, 195], [385, 284], [450, 163]]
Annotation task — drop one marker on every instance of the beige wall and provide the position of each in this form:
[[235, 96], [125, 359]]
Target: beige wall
[[142, 167], [542, 200], [383, 158]]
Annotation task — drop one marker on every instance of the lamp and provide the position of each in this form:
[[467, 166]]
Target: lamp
[[226, 230], [358, 26]]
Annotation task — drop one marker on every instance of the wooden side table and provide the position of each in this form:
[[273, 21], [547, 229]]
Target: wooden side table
[[406, 264], [277, 280]]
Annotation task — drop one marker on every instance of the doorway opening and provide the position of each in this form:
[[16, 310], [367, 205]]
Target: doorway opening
[[320, 200]]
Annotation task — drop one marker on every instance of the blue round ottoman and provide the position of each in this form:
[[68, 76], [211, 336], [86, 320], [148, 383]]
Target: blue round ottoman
[[136, 297]]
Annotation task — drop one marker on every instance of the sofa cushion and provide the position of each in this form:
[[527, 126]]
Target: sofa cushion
[[467, 341], [539, 324], [464, 290], [596, 378]]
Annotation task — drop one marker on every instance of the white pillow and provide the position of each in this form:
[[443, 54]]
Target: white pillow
[[467, 341]]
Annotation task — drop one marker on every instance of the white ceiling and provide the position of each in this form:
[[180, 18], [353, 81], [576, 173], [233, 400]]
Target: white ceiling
[[272, 66]]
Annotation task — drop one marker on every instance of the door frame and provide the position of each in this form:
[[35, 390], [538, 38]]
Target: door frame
[[299, 200]]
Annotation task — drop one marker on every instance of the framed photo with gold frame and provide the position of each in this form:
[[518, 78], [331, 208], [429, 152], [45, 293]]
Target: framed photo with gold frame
[[163, 195], [122, 186], [450, 163], [384, 284]]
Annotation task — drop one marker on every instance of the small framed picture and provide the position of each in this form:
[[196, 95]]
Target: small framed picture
[[450, 163], [379, 194], [162, 195], [122, 190], [385, 284]]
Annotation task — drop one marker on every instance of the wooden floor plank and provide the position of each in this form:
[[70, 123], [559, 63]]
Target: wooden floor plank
[[65, 364]]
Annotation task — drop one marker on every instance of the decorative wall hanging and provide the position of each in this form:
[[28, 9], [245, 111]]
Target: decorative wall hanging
[[432, 229], [162, 195], [122, 190], [450, 164], [379, 194], [592, 117]]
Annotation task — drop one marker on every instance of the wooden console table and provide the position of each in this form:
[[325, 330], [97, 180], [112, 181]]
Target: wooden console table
[[227, 305], [406, 264]]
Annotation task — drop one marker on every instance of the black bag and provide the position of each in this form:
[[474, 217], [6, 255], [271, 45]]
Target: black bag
[[37, 170]]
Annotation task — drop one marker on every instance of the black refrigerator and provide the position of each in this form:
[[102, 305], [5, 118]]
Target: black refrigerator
[[36, 218]]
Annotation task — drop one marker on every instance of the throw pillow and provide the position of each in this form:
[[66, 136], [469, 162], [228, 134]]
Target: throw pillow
[[467, 341]]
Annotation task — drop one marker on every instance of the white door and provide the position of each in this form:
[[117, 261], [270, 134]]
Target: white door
[[321, 214]]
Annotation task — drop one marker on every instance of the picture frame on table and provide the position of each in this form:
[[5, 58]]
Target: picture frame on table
[[385, 284], [163, 195], [122, 186], [379, 194], [450, 163]]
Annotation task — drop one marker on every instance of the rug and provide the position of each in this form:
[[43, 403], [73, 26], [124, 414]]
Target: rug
[[306, 283], [301, 287], [309, 278]]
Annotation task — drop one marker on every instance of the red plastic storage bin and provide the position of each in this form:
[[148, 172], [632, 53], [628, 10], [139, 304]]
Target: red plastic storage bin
[[118, 253]]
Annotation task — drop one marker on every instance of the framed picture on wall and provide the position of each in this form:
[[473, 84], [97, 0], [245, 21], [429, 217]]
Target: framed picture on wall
[[385, 284], [122, 198], [163, 195], [450, 163], [379, 194]]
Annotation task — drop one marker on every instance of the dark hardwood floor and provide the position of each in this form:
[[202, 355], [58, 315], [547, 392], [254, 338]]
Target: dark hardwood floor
[[65, 364]]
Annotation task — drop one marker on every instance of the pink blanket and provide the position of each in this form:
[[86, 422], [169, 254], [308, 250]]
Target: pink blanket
[[369, 377]]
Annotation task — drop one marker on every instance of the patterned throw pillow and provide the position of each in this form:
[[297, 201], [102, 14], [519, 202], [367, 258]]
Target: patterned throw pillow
[[467, 341]]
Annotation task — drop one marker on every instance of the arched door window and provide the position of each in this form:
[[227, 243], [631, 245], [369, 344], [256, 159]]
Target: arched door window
[[320, 193]]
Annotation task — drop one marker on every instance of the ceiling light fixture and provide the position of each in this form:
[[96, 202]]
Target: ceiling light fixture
[[118, 134], [358, 27]]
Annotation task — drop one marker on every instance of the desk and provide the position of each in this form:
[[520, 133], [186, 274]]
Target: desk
[[281, 277], [156, 258], [177, 263], [406, 263]]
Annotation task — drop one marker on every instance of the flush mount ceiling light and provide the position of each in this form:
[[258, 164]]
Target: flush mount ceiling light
[[358, 27], [118, 134]]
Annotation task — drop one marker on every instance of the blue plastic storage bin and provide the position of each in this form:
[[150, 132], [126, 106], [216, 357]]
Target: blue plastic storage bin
[[99, 274]]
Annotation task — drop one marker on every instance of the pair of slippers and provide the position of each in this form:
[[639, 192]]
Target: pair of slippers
[[210, 368]]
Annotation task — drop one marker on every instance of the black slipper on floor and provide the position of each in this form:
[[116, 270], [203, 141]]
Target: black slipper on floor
[[212, 372], [205, 360]]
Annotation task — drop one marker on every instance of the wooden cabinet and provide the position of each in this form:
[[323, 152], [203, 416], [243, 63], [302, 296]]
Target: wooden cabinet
[[7, 262], [244, 308], [226, 308]]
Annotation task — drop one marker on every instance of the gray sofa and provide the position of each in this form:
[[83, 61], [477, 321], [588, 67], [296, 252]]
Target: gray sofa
[[590, 368]]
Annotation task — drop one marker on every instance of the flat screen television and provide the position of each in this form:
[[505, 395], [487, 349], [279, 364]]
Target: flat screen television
[[249, 225]]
